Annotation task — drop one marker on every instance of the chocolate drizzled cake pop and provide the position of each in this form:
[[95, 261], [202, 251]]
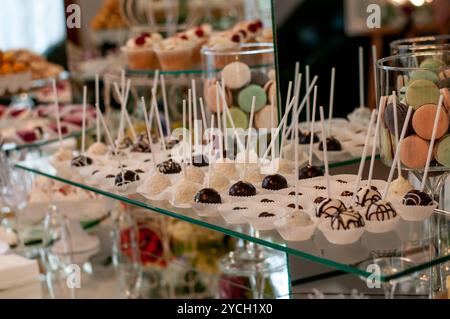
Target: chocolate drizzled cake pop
[[81, 161], [347, 194], [208, 196], [305, 138], [332, 144], [346, 219], [367, 195], [329, 207], [169, 167], [242, 189], [417, 198], [274, 182], [380, 211], [310, 171], [126, 177]]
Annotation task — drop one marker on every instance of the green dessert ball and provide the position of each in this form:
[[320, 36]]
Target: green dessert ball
[[424, 75], [431, 64], [246, 95], [420, 92]]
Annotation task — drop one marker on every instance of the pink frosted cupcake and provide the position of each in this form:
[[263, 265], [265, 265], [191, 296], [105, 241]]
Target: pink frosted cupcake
[[175, 53], [140, 51]]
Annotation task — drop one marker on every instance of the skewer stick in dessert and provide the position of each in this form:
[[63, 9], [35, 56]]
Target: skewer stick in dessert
[[395, 110], [331, 103], [308, 101], [202, 110], [361, 76], [197, 138], [325, 153], [211, 152], [249, 134], [97, 102], [158, 119], [58, 115], [311, 129], [432, 141], [83, 124], [283, 132], [165, 104], [374, 145], [374, 64], [147, 127], [219, 123], [397, 152], [183, 162], [296, 158]]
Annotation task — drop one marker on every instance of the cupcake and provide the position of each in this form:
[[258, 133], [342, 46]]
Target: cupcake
[[140, 51], [175, 53]]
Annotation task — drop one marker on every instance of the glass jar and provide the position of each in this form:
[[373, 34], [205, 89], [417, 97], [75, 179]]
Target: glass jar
[[418, 80], [420, 44]]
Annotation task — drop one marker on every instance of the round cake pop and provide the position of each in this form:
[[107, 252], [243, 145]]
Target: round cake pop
[[329, 207], [417, 198], [346, 219], [242, 189], [81, 161], [332, 145], [310, 171], [126, 177], [367, 195], [274, 182], [195, 174], [304, 138], [380, 211], [169, 167], [98, 149], [157, 183], [208, 196]]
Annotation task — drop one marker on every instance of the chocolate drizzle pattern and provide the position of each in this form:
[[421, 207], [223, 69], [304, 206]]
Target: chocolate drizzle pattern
[[169, 167], [367, 196], [417, 198], [346, 220], [126, 177], [329, 207], [380, 211], [81, 161]]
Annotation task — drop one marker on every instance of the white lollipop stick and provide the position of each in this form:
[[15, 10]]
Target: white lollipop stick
[[395, 110], [330, 110], [97, 102], [183, 162], [58, 115], [190, 124], [194, 106], [374, 146], [297, 87], [308, 101], [233, 126], [166, 107], [202, 110], [297, 72], [211, 139], [397, 152], [283, 132], [325, 153], [249, 134], [158, 119], [83, 125], [311, 130], [361, 76], [364, 154], [121, 98], [219, 124], [147, 127], [272, 123], [302, 104], [105, 128], [126, 116], [155, 83], [374, 61], [296, 158], [431, 148]]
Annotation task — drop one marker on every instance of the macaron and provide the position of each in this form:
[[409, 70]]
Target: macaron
[[236, 75], [240, 118], [389, 122], [271, 89], [401, 82], [413, 152], [444, 74], [442, 150], [420, 92], [445, 83], [423, 121], [446, 101], [272, 74], [246, 95], [259, 78], [424, 75], [210, 97], [263, 117], [431, 64]]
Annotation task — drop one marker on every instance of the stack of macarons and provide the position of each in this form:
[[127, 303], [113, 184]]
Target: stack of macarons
[[420, 89], [241, 85]]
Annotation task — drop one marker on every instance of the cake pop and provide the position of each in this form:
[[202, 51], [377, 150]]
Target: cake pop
[[157, 183], [329, 207], [346, 219], [97, 149], [274, 182], [380, 211], [310, 171], [126, 177], [169, 167], [208, 196], [305, 137], [242, 189], [81, 161], [332, 144], [367, 195], [417, 198], [195, 174]]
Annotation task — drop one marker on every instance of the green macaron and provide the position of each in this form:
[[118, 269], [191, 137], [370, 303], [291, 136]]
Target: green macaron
[[442, 150], [420, 92], [424, 75], [431, 64], [239, 117], [246, 95]]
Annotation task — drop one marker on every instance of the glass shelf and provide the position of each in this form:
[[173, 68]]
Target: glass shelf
[[422, 244]]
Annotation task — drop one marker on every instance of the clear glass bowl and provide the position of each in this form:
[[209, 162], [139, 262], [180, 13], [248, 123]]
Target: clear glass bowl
[[420, 44], [418, 80]]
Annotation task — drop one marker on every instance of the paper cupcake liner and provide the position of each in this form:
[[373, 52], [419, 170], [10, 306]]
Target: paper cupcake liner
[[295, 233], [414, 213], [340, 237], [277, 199], [374, 226], [233, 217], [263, 223], [206, 210], [333, 156], [153, 197], [127, 189]]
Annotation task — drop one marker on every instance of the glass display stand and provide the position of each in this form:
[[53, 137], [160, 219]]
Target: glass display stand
[[414, 241]]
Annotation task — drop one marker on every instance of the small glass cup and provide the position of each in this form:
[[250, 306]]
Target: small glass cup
[[420, 44]]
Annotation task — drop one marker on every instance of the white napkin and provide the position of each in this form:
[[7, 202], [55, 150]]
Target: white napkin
[[17, 271]]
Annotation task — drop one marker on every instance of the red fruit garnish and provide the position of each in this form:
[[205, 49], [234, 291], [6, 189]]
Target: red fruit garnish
[[199, 32], [259, 23], [146, 35], [27, 135], [236, 38], [54, 128], [140, 40], [183, 36], [74, 119], [243, 32], [150, 245], [17, 112], [253, 27]]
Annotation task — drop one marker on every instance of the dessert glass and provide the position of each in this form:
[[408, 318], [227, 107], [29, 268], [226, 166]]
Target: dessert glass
[[420, 44]]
